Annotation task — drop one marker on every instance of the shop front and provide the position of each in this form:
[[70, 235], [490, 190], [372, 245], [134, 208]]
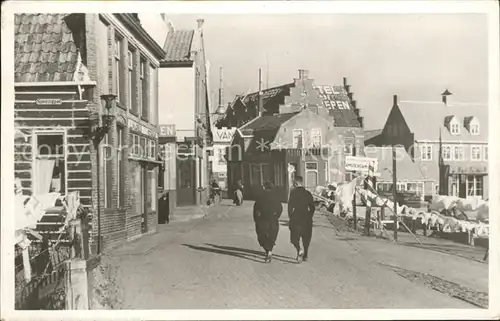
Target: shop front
[[467, 181], [143, 175]]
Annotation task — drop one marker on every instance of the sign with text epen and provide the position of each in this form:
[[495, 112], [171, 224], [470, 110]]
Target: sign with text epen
[[361, 164], [224, 135]]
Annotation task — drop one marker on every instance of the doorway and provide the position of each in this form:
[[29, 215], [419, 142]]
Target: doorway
[[186, 181]]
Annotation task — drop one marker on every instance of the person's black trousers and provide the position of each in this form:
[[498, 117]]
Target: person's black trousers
[[267, 233], [301, 230]]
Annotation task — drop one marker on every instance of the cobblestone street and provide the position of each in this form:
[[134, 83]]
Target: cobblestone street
[[216, 262]]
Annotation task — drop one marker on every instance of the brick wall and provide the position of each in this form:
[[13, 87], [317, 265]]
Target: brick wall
[[120, 222]]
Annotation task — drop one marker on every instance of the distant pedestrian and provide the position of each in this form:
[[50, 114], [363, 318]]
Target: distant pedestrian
[[266, 213], [238, 193], [300, 212]]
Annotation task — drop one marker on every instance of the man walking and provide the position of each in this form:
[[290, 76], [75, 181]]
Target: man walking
[[300, 212], [266, 213]]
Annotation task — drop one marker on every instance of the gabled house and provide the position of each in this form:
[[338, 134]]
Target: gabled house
[[277, 147], [184, 105], [334, 101], [71, 141], [448, 142]]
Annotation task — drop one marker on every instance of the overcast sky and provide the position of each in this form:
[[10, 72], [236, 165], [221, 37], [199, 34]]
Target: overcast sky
[[413, 56]]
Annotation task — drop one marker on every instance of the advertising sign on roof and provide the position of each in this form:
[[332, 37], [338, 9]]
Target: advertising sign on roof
[[360, 164], [224, 135]]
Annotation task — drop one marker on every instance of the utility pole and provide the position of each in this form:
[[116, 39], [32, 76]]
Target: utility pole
[[354, 216], [221, 88], [260, 92], [394, 178], [267, 70], [394, 192]]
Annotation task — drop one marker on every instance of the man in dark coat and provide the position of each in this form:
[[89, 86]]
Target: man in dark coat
[[300, 212], [266, 213]]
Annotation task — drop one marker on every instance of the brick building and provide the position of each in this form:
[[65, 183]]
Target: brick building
[[184, 106], [447, 141], [65, 62], [303, 125]]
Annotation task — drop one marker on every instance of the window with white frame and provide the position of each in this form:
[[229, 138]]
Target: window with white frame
[[454, 127], [298, 138], [316, 137], [49, 173], [458, 153], [476, 153], [446, 152], [474, 129], [117, 68], [348, 149], [486, 153], [474, 185], [426, 152]]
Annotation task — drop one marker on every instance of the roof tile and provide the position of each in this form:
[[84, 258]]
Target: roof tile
[[178, 45], [44, 45]]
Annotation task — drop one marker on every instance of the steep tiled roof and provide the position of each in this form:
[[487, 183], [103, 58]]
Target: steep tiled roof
[[270, 96], [345, 117], [266, 123], [44, 48], [178, 46], [426, 120]]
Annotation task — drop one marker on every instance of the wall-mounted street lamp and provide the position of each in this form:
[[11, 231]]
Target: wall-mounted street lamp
[[99, 130], [102, 126]]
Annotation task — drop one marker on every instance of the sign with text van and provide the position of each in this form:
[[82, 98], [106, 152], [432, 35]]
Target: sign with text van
[[224, 135]]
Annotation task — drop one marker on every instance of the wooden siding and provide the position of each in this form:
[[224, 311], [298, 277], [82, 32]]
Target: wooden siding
[[68, 115]]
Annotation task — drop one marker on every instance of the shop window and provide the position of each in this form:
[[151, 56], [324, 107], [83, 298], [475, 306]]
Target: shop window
[[297, 138], [143, 148], [474, 185], [486, 153], [150, 191], [137, 147], [50, 164]]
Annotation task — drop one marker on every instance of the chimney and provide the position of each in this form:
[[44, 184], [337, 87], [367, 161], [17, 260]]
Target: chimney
[[361, 121], [394, 100], [349, 94], [446, 97], [346, 86], [354, 103], [163, 16], [200, 23], [303, 74]]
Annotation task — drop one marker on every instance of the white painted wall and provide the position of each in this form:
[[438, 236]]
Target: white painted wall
[[154, 24], [176, 94]]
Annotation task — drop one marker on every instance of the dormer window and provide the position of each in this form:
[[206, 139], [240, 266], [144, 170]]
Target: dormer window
[[472, 125], [454, 128], [453, 125], [474, 129]]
